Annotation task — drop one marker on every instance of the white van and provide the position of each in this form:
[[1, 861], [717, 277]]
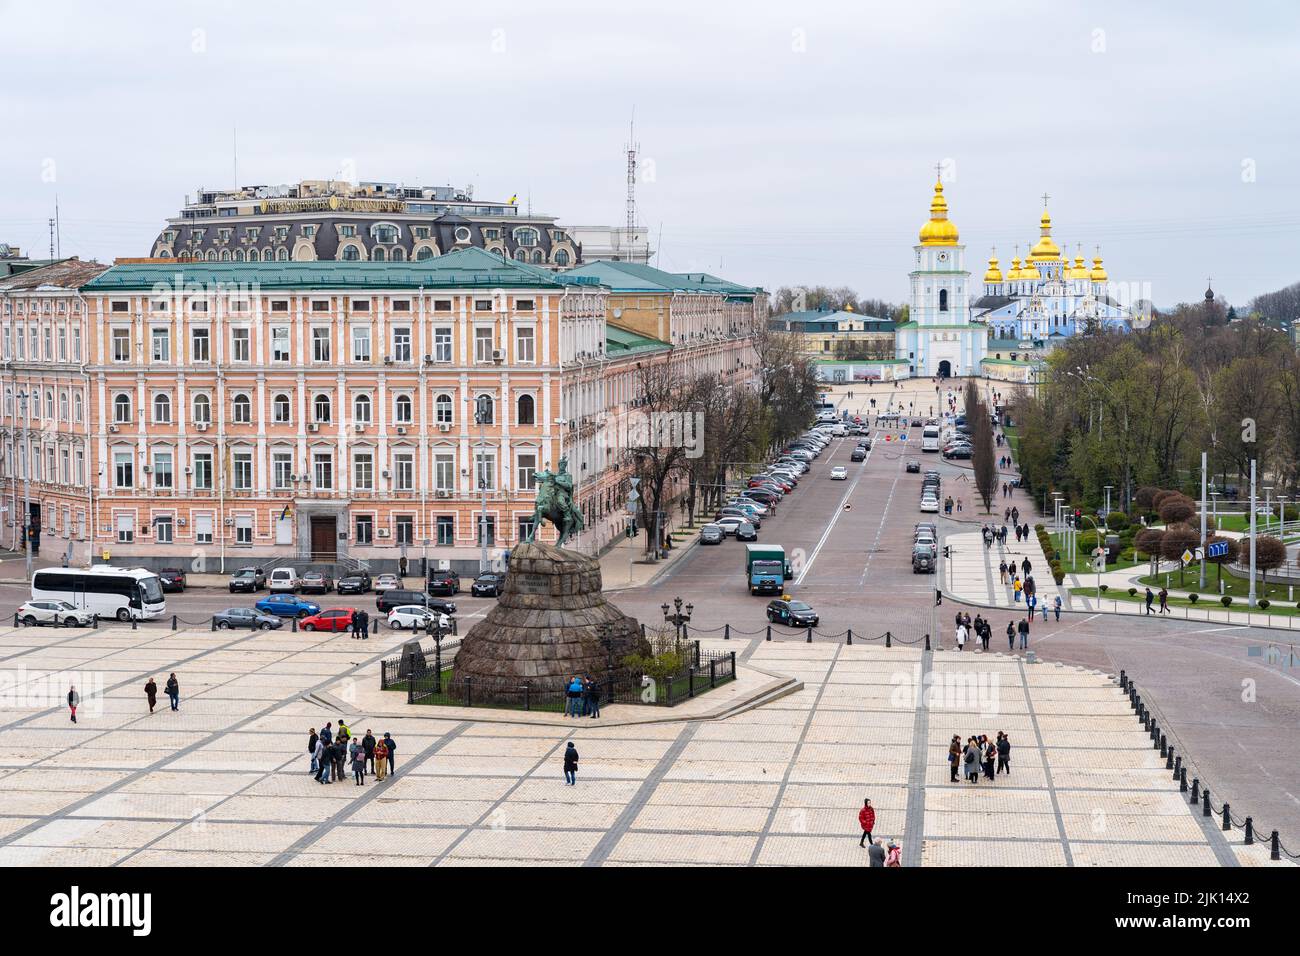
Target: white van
[[839, 431], [283, 579]]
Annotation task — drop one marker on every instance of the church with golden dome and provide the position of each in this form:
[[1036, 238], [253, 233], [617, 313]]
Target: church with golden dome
[[1045, 297]]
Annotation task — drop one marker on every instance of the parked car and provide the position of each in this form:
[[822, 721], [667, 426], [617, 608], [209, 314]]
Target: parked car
[[249, 617], [412, 617], [748, 505], [172, 579], [283, 579], [316, 582], [746, 532], [930, 504], [923, 558], [794, 613], [335, 619], [387, 582], [762, 497], [488, 584], [711, 534], [839, 473], [247, 579], [958, 451], [731, 524], [443, 582], [287, 605], [55, 613], [859, 454], [913, 467], [356, 583], [385, 601]]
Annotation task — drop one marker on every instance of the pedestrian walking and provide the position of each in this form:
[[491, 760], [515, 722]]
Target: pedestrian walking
[[173, 688], [151, 693], [1056, 606], [954, 758], [359, 766], [321, 759], [1150, 598], [381, 760], [1023, 630], [312, 739], [571, 765], [1017, 587], [894, 855], [573, 697], [391, 744], [1044, 610], [866, 820], [1004, 753], [368, 745], [1002, 571], [1015, 515], [1024, 563], [73, 700], [986, 636], [961, 636], [958, 506], [1164, 601]]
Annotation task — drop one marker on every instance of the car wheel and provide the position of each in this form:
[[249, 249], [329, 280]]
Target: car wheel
[[301, 614], [72, 622], [309, 627], [266, 625], [223, 625], [29, 620], [123, 615]]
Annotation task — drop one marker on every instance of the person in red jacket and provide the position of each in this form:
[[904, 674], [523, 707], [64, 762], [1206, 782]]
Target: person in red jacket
[[866, 820]]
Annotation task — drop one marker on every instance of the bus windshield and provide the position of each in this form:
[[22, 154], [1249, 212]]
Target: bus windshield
[[151, 590]]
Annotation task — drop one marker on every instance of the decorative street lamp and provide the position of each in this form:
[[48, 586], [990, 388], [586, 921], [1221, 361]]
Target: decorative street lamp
[[676, 617]]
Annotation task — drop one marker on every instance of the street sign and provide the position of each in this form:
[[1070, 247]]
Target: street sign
[[903, 437], [634, 482], [1218, 549], [1187, 557]]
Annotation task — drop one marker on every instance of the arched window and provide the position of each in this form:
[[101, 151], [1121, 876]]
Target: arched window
[[282, 254], [442, 410], [361, 409], [280, 409], [943, 300], [485, 411], [239, 255], [242, 409], [561, 257], [537, 255], [351, 253], [521, 255], [202, 409], [378, 254], [121, 407], [321, 406], [399, 254], [526, 410], [424, 252], [63, 406], [76, 407], [162, 408], [225, 255], [212, 255], [402, 408]]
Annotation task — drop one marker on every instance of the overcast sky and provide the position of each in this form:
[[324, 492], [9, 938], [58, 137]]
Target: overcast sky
[[782, 142]]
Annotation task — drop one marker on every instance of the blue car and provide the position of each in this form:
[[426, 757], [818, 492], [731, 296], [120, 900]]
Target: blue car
[[287, 605]]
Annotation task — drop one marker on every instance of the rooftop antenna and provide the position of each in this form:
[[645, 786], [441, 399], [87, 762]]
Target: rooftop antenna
[[51, 237], [235, 152], [632, 147], [58, 230]]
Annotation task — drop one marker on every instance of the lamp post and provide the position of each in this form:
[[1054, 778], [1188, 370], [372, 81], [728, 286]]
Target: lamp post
[[1108, 490], [482, 414], [676, 617], [1268, 507], [23, 397], [605, 634], [1098, 564], [1250, 600], [1281, 516]]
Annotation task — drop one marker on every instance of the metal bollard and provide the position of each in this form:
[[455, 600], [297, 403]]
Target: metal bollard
[[1227, 818], [726, 632], [94, 618], [810, 635], [1178, 762], [1250, 831], [769, 632], [1182, 781], [927, 642], [293, 624], [374, 626], [1275, 844], [1164, 746], [1205, 802], [173, 622], [889, 639], [212, 623], [135, 626], [850, 638], [1169, 758], [15, 618], [1123, 681]]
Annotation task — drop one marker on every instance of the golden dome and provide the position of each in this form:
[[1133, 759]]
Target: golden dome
[[994, 274], [1080, 271], [940, 230], [848, 307], [1028, 270], [1045, 250], [1098, 274]]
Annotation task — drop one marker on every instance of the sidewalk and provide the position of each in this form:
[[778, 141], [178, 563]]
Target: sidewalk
[[971, 573], [626, 564]]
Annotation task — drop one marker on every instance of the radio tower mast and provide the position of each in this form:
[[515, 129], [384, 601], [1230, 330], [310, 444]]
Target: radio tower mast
[[632, 147]]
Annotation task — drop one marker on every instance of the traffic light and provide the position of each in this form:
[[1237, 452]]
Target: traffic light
[[947, 551]]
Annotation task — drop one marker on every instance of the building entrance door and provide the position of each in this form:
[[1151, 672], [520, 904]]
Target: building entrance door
[[324, 538], [945, 369]]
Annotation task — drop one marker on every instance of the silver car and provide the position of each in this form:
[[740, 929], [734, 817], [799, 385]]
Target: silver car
[[711, 534], [54, 612]]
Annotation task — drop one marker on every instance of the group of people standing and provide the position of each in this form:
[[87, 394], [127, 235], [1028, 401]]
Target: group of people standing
[[966, 628], [332, 751], [979, 755], [582, 697], [361, 625]]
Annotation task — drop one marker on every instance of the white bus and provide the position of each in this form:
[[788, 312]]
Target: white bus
[[930, 438], [123, 593]]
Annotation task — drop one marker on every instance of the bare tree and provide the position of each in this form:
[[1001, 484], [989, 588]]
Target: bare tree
[[661, 434]]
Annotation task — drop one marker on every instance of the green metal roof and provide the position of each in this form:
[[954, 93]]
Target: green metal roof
[[621, 342], [465, 268], [635, 277]]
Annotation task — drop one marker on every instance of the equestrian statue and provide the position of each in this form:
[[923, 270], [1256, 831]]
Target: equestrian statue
[[555, 504]]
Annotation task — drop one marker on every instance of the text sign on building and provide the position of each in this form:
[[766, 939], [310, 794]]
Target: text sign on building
[[533, 584]]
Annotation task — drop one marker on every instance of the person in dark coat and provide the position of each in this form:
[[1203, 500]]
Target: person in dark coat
[[368, 745], [954, 757], [990, 755], [173, 688], [1004, 753], [73, 700], [365, 625], [1011, 636], [391, 744], [971, 760], [321, 759], [151, 692], [1024, 567], [593, 698], [877, 853], [359, 767], [327, 732], [571, 765], [866, 820], [312, 739], [340, 749], [356, 625], [1023, 630]]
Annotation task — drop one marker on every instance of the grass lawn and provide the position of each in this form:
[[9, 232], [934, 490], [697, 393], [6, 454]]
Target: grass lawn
[[1083, 565], [1013, 439], [1209, 602], [551, 702], [1238, 587]]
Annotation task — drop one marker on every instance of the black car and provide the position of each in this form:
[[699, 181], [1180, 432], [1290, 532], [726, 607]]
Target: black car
[[251, 580], [172, 579], [759, 495], [444, 582], [913, 467], [859, 454], [385, 601], [794, 613], [958, 451], [358, 583], [249, 617], [488, 585]]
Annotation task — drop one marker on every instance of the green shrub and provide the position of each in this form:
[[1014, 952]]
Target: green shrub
[[1132, 592], [1105, 588], [1226, 600], [1263, 604], [1039, 528], [1193, 597], [1117, 521], [660, 667]]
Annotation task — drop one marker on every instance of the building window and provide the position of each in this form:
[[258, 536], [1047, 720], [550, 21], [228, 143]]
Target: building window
[[321, 406], [404, 525], [483, 344], [280, 343], [526, 410], [320, 345], [323, 470], [202, 410], [160, 348], [943, 300], [361, 343], [162, 469], [282, 469], [243, 529], [442, 410], [121, 345], [404, 471], [361, 409], [561, 259], [524, 345], [240, 345], [125, 529], [365, 525], [526, 527], [200, 346], [122, 408], [203, 529], [446, 526], [123, 469], [280, 409], [320, 305], [485, 470], [527, 471], [484, 410], [162, 408], [242, 410], [442, 343], [243, 470], [444, 472], [486, 523], [403, 410], [363, 471], [401, 344], [203, 471], [162, 529]]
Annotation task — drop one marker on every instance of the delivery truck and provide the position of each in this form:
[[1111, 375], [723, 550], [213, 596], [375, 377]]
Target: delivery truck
[[766, 568]]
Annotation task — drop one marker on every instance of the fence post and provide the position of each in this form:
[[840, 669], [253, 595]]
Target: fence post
[[769, 632], [850, 640], [1250, 831], [889, 639], [1227, 818], [173, 622], [810, 635], [713, 673], [1182, 781], [726, 632], [927, 642], [1274, 852], [670, 691], [1205, 802], [690, 682], [469, 692], [410, 688], [697, 653], [734, 675], [1196, 791], [526, 686]]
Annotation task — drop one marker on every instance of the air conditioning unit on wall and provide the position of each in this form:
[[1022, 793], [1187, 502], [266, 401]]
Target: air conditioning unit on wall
[[383, 532]]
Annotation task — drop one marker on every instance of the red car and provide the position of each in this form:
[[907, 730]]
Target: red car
[[335, 619]]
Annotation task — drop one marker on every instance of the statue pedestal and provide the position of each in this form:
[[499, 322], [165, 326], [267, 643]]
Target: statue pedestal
[[546, 625]]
